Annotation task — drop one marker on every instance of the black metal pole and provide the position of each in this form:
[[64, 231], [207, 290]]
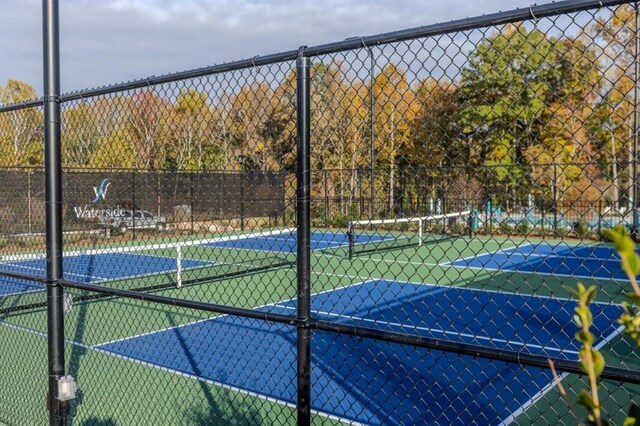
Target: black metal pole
[[53, 200], [133, 207], [372, 151], [635, 124], [191, 201], [242, 199], [326, 200], [555, 199], [283, 180], [303, 217]]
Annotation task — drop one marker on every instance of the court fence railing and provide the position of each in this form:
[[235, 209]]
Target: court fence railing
[[304, 204]]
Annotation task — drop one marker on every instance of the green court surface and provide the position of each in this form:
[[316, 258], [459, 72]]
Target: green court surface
[[249, 278]]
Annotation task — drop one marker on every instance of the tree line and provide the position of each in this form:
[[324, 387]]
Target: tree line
[[530, 114]]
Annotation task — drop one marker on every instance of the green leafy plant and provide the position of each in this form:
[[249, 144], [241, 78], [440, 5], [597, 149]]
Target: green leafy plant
[[582, 229], [523, 228], [506, 228], [592, 361]]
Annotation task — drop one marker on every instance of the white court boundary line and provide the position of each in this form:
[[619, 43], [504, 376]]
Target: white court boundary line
[[158, 246], [180, 373], [440, 288], [513, 270], [441, 331], [217, 317], [486, 253], [136, 250], [95, 279], [19, 293], [548, 274], [460, 286], [97, 348], [538, 255], [535, 398], [283, 236]]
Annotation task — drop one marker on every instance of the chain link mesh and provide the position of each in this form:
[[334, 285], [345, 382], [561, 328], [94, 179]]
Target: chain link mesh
[[460, 184]]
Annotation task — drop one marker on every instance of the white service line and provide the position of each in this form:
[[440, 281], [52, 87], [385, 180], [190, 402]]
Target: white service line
[[441, 331], [215, 318], [535, 398], [178, 373], [487, 253], [551, 274]]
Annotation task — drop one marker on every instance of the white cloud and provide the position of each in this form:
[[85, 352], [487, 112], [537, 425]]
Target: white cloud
[[109, 41]]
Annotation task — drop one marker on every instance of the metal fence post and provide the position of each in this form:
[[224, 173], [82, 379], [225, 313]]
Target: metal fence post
[[283, 180], [191, 203], [242, 200], [53, 200], [372, 135], [326, 200], [304, 236], [634, 190], [133, 207], [600, 218], [29, 203]]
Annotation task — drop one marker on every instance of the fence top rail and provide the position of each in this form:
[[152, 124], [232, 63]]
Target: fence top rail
[[466, 24]]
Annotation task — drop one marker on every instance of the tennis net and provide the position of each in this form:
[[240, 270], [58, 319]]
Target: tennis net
[[150, 267], [367, 236]]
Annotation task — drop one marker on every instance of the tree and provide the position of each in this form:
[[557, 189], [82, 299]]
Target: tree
[[114, 152], [146, 124], [511, 77], [437, 149], [569, 154], [533, 96], [332, 148], [245, 117], [394, 110], [22, 144], [192, 147], [16, 91], [615, 38], [80, 134], [279, 129]]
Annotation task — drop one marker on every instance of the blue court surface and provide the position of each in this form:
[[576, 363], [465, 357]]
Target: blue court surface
[[543, 258], [287, 241], [375, 382], [91, 268]]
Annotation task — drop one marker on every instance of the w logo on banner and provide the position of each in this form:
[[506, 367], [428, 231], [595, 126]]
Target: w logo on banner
[[101, 190]]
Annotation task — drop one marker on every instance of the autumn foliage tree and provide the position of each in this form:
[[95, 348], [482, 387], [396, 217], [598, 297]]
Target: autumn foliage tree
[[531, 114]]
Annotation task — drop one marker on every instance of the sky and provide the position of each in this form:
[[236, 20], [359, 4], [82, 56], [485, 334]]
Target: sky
[[110, 41]]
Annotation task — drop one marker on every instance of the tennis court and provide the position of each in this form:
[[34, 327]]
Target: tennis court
[[286, 241], [578, 261], [432, 311], [428, 386], [116, 264], [94, 268], [385, 229]]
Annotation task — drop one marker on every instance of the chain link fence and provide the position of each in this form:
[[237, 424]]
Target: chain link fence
[[382, 230]]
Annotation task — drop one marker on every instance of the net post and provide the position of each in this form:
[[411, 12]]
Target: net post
[[53, 197], [420, 223], [350, 239], [179, 265], [242, 195], [303, 213]]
